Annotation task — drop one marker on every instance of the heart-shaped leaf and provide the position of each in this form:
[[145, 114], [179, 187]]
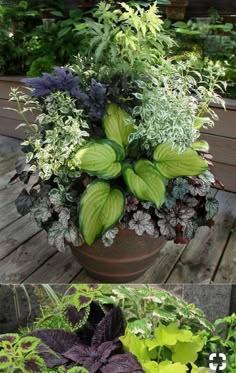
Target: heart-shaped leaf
[[101, 207], [118, 124], [145, 182], [100, 158], [171, 163]]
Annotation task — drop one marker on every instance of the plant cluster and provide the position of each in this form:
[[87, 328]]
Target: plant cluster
[[114, 152], [211, 42], [99, 328]]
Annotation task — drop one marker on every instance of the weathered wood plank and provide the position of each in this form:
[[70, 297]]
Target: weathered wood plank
[[19, 265], [201, 257], [4, 179], [11, 114], [10, 193], [8, 214], [61, 268], [225, 126], [15, 234], [8, 128], [223, 149], [226, 174], [226, 272]]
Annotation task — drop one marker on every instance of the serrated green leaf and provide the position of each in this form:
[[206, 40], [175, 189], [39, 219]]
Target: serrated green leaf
[[187, 352], [5, 360], [145, 182], [101, 207], [171, 163], [136, 346], [117, 124], [100, 158], [28, 344], [168, 336]]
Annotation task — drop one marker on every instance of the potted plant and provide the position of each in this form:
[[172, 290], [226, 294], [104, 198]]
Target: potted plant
[[116, 148], [177, 9], [101, 330]]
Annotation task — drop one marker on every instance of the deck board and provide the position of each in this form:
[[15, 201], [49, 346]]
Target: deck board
[[25, 255]]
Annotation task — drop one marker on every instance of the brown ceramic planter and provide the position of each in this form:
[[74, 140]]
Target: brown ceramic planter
[[126, 260]]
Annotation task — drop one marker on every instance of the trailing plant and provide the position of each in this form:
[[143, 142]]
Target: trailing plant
[[118, 152]]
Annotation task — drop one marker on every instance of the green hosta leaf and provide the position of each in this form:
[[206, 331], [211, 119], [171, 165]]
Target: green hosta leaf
[[101, 158], [168, 336], [136, 346], [170, 163], [101, 207], [187, 352], [145, 182], [118, 124], [201, 146]]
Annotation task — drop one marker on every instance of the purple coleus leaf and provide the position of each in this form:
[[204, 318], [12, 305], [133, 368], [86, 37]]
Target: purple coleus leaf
[[109, 328], [122, 363], [73, 316], [95, 316], [51, 358], [58, 340], [91, 357]]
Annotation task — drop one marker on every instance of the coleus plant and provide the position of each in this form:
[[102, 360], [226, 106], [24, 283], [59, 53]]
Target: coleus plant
[[103, 164]]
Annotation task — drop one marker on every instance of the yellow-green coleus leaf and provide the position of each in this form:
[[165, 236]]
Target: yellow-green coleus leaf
[[117, 124], [145, 182], [168, 336], [171, 163], [164, 367], [187, 352], [101, 207], [100, 158]]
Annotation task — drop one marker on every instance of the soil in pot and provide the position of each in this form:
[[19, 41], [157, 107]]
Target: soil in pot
[[126, 260]]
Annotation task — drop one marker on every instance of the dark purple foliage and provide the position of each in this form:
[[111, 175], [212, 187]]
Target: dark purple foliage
[[122, 363], [61, 80], [51, 358], [58, 340], [109, 328], [87, 331]]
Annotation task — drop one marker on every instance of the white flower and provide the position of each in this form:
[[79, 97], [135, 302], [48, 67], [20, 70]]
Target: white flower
[[142, 223], [108, 237]]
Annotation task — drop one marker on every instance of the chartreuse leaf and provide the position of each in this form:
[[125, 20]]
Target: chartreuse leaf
[[171, 163], [164, 367], [145, 182], [77, 370], [118, 124], [101, 207], [101, 158], [201, 146], [136, 346], [168, 336], [187, 352]]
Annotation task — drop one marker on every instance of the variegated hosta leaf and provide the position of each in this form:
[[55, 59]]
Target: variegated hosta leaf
[[145, 182], [201, 146], [118, 124], [101, 207], [101, 158], [171, 163]]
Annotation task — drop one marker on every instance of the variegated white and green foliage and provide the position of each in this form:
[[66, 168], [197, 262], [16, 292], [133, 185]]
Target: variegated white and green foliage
[[101, 207]]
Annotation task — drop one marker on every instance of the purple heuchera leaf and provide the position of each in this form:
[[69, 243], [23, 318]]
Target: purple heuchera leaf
[[109, 328], [58, 340]]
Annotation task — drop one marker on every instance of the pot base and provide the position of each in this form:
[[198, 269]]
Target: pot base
[[126, 260]]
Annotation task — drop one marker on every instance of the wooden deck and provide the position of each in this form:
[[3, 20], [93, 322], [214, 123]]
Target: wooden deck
[[25, 255]]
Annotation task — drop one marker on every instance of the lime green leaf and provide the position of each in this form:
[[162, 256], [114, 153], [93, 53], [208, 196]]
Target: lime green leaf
[[145, 182], [201, 146], [136, 346], [169, 367], [187, 352], [168, 336], [151, 367], [101, 158], [170, 163], [118, 124], [101, 207]]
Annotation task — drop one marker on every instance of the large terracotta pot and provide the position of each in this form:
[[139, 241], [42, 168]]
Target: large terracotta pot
[[126, 260]]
